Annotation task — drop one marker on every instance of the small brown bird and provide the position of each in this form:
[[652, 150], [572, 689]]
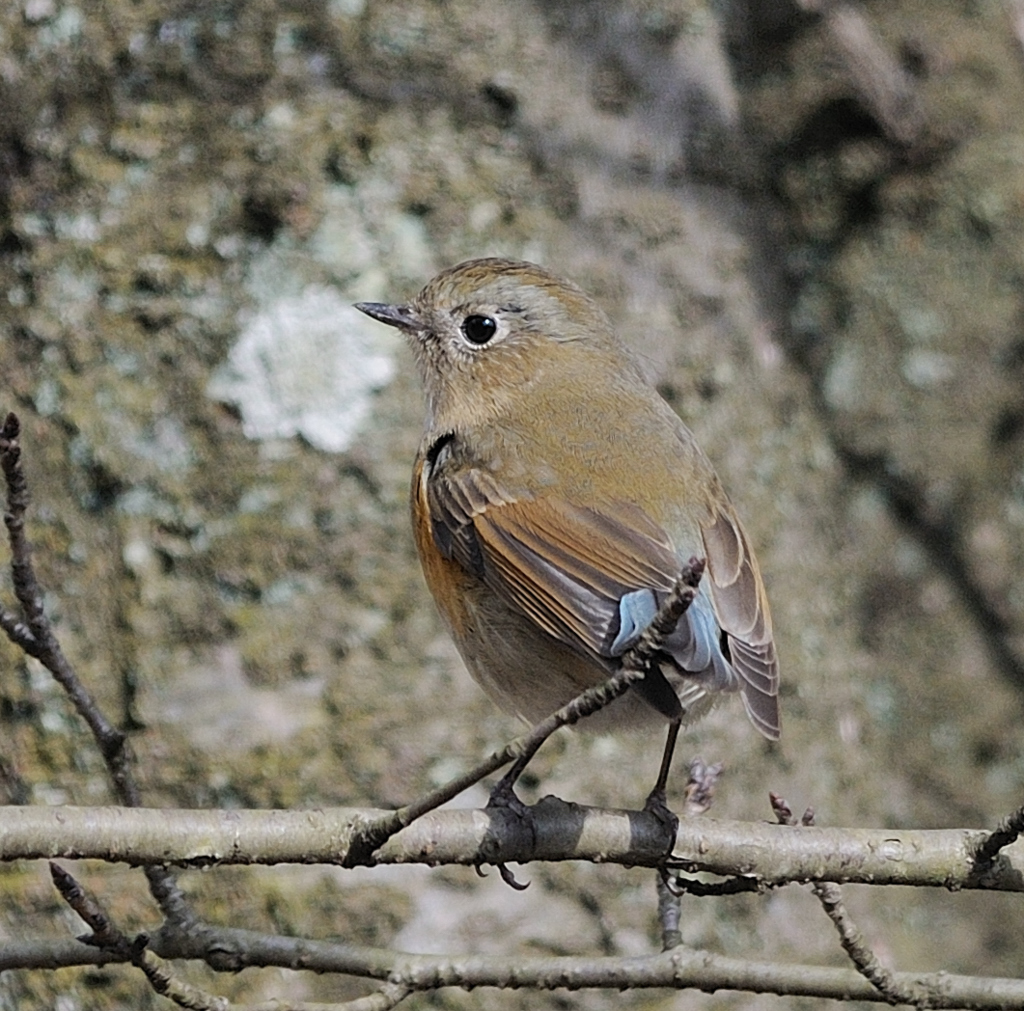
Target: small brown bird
[[555, 499]]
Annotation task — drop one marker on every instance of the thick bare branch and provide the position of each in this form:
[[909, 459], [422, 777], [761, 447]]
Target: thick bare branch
[[769, 854]]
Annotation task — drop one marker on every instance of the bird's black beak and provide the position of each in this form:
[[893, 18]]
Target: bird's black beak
[[400, 316]]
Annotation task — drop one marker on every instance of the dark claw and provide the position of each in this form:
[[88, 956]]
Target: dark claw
[[510, 879], [671, 883]]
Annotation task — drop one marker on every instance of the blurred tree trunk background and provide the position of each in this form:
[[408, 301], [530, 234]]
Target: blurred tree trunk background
[[807, 219]]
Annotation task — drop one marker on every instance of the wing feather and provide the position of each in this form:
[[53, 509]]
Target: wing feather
[[741, 605], [566, 568]]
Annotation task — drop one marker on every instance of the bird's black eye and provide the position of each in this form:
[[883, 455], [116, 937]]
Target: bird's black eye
[[478, 329]]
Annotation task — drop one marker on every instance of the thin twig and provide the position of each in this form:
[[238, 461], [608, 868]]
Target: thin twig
[[1005, 833], [43, 644], [35, 635], [104, 934], [108, 938], [830, 895], [18, 632], [681, 968], [164, 982], [669, 913], [111, 940]]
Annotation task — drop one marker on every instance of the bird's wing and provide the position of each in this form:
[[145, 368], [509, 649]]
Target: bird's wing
[[565, 566], [741, 605], [585, 576]]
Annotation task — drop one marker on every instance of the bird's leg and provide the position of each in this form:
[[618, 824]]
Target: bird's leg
[[656, 801], [666, 757], [504, 794]]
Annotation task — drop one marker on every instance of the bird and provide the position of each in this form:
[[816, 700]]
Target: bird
[[555, 499]]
